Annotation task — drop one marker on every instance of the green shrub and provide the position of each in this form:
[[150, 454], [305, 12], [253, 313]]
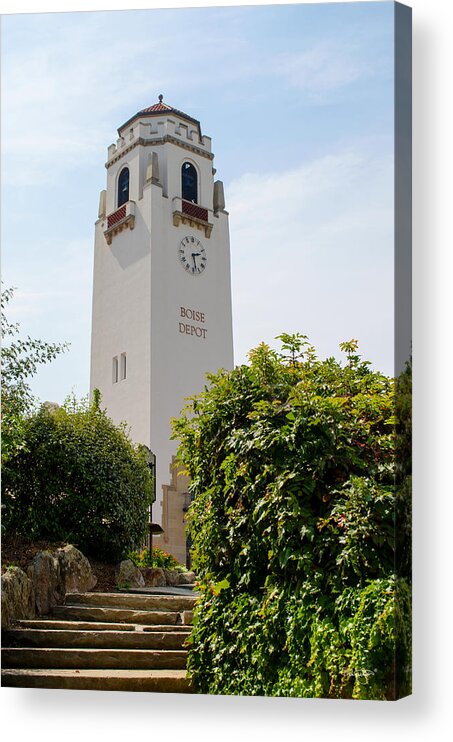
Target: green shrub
[[78, 478], [292, 466], [20, 360], [159, 558]]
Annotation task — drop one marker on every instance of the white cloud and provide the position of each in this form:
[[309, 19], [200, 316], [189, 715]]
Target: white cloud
[[324, 67], [31, 304], [68, 80], [312, 251], [64, 87], [321, 69], [59, 100], [58, 311]]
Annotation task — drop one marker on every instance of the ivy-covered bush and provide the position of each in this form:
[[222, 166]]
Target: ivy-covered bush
[[78, 478], [292, 466]]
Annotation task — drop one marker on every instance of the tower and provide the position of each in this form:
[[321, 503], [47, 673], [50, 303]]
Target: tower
[[161, 286]]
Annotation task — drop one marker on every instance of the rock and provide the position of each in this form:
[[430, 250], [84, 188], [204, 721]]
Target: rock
[[187, 618], [48, 585], [153, 576], [75, 570], [128, 575], [187, 578], [17, 596], [171, 577], [49, 577]]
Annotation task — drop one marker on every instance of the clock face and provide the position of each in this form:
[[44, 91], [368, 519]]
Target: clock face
[[192, 256]]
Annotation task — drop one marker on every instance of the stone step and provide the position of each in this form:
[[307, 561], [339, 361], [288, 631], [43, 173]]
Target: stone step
[[178, 627], [116, 615], [112, 659], [187, 618], [139, 602], [38, 623], [183, 590], [150, 681], [53, 623], [101, 639]]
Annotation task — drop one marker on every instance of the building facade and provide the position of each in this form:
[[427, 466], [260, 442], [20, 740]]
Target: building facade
[[161, 315]]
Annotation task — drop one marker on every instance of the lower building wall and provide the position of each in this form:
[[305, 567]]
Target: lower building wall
[[175, 500]]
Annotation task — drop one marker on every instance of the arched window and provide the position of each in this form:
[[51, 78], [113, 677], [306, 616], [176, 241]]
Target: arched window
[[189, 183], [123, 186]]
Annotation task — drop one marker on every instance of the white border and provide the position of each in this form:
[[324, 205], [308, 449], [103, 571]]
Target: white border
[[42, 715]]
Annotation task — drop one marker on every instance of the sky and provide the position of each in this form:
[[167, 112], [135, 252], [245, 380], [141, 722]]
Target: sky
[[298, 101]]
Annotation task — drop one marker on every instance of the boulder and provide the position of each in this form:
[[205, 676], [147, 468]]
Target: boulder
[[128, 575], [153, 576], [48, 585], [17, 596], [75, 570], [187, 578], [171, 577]]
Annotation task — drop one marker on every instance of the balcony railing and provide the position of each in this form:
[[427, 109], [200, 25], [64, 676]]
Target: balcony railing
[[117, 216], [122, 218], [186, 212], [194, 210]]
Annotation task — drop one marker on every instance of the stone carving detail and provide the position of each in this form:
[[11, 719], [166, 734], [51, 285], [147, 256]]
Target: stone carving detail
[[102, 205], [152, 170], [219, 197]]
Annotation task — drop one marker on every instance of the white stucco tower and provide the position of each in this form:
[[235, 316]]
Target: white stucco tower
[[161, 291]]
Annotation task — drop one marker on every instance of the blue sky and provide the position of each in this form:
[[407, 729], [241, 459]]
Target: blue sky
[[299, 103]]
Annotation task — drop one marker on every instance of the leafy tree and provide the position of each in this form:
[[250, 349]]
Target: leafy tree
[[292, 466], [20, 360], [78, 478]]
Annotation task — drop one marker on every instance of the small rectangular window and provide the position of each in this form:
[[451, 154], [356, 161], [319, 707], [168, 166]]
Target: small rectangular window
[[115, 369], [123, 366]]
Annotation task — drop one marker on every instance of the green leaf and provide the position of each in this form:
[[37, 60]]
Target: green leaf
[[219, 586]]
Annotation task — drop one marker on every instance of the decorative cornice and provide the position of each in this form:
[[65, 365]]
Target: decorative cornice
[[159, 109], [122, 218], [153, 142], [180, 218], [185, 145]]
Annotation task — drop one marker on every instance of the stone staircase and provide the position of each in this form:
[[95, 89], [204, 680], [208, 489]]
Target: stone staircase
[[103, 641]]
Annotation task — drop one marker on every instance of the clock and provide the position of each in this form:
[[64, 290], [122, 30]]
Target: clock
[[192, 256]]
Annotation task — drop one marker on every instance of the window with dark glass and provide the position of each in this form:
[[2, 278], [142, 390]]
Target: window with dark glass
[[123, 369], [189, 182], [123, 186], [115, 369]]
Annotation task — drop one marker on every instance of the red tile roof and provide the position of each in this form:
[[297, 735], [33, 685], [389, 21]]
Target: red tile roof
[[159, 108]]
